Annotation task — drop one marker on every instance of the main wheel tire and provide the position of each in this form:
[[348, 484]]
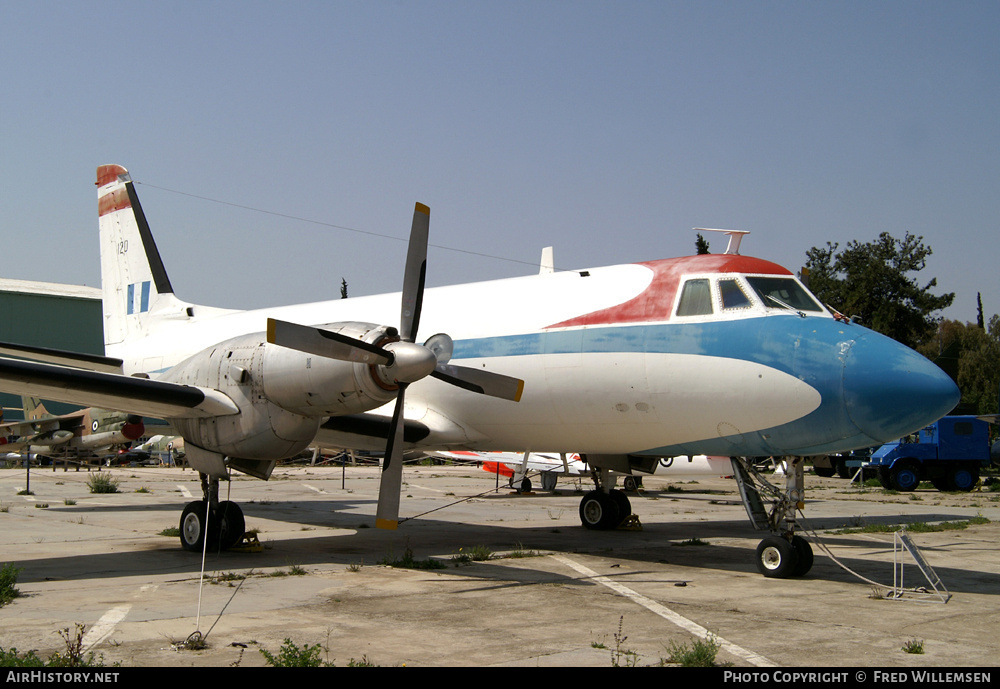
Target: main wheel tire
[[525, 485], [776, 558], [905, 478], [623, 503], [192, 526], [804, 554], [232, 524], [599, 511]]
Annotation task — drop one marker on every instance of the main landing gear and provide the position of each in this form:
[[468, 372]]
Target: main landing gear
[[222, 523], [784, 553], [604, 507]]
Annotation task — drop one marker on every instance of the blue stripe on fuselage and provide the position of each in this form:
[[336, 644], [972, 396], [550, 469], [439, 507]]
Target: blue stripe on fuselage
[[811, 349]]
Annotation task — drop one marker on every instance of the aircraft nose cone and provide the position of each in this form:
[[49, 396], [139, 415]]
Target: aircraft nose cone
[[891, 390]]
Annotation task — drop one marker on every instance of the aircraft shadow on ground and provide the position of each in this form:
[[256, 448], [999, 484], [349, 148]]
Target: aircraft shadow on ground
[[658, 543]]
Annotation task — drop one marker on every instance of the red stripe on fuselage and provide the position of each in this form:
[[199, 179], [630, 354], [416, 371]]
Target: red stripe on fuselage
[[657, 301]]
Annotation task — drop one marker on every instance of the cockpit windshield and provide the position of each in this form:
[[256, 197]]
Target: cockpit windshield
[[778, 292]]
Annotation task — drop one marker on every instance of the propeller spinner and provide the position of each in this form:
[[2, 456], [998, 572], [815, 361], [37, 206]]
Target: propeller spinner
[[402, 363]]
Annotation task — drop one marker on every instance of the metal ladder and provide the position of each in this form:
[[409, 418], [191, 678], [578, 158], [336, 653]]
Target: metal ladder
[[901, 545]]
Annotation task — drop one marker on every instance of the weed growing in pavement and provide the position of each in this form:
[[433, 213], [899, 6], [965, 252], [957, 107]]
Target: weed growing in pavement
[[102, 483], [701, 653]]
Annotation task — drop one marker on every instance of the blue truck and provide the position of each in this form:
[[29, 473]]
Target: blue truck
[[949, 453]]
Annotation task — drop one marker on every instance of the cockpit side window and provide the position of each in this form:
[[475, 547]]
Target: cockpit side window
[[732, 295], [696, 299], [778, 292]]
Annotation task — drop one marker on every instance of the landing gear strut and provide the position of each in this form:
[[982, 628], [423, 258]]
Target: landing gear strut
[[222, 523], [784, 553]]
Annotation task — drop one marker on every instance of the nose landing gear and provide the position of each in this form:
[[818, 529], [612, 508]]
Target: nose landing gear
[[784, 553]]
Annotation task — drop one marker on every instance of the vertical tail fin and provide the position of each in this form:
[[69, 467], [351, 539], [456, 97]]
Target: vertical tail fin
[[133, 279], [33, 408]]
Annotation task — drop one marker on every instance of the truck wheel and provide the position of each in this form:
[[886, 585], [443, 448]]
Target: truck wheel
[[963, 478], [905, 478]]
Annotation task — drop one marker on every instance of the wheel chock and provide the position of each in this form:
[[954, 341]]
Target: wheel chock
[[630, 523], [248, 544]]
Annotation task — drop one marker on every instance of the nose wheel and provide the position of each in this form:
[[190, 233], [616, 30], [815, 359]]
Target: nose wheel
[[779, 558]]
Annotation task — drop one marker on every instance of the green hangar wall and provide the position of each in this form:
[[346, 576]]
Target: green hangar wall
[[43, 314]]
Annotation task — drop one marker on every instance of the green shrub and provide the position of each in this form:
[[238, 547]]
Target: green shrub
[[102, 483], [291, 655], [700, 654], [8, 579]]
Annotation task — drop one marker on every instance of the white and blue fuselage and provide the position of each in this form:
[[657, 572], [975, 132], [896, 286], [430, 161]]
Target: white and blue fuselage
[[614, 362]]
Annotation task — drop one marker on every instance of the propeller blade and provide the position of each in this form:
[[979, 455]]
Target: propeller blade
[[414, 274], [391, 483], [325, 343], [481, 381]]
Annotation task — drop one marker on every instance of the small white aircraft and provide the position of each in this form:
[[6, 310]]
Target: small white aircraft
[[549, 466], [716, 354]]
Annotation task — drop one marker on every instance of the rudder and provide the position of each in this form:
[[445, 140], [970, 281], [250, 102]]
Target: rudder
[[134, 281]]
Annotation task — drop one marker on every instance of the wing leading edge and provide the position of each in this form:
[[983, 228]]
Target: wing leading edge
[[140, 396]]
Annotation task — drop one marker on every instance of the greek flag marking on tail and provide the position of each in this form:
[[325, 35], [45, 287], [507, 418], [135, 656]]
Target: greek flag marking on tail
[[138, 299]]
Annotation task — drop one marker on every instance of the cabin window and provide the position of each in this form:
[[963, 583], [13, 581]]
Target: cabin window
[[696, 299], [732, 295], [781, 292]]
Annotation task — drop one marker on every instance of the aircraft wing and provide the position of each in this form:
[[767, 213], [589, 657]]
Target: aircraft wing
[[29, 428], [111, 391]]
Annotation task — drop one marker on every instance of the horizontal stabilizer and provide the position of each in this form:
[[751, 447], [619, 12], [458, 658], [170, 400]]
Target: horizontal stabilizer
[[91, 362]]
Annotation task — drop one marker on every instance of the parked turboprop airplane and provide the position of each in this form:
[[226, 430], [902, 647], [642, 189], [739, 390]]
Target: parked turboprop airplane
[[716, 354]]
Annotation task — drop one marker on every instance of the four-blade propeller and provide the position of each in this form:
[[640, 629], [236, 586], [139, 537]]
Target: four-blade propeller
[[403, 362]]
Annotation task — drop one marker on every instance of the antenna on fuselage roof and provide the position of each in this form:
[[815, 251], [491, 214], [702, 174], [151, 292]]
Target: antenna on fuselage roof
[[547, 264], [735, 237]]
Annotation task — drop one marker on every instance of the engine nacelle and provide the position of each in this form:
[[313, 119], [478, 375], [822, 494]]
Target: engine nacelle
[[283, 394], [317, 386]]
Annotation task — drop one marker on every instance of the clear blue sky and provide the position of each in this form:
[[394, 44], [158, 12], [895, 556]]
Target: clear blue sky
[[606, 129]]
